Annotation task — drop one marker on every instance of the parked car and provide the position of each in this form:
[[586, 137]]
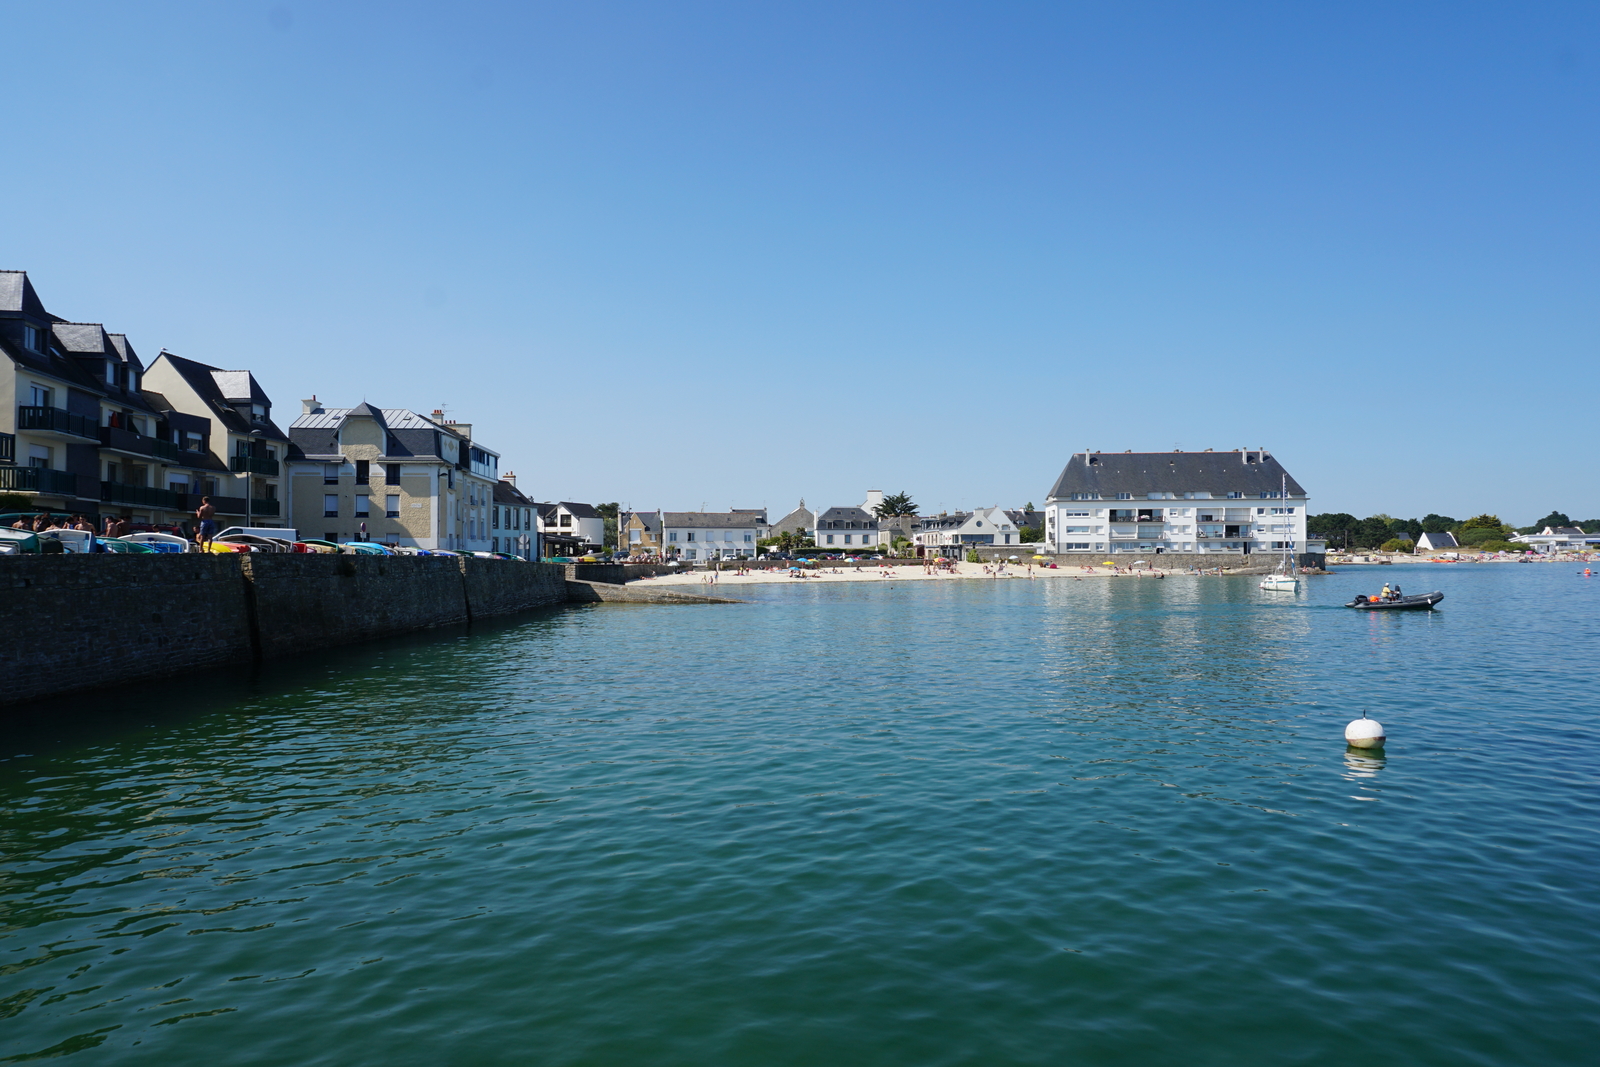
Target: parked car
[[367, 548], [312, 544], [256, 542]]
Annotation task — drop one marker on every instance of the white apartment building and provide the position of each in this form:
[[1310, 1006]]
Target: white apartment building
[[841, 529], [1228, 503]]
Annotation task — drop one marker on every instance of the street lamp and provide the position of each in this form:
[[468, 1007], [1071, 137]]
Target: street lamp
[[249, 512]]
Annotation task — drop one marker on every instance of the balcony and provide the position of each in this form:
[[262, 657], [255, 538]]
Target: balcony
[[38, 480], [119, 440], [55, 422], [254, 465], [140, 495], [232, 505]]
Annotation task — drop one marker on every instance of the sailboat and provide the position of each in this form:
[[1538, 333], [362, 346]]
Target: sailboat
[[1284, 579]]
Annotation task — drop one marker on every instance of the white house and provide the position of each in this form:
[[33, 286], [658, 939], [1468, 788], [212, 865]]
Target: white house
[[1558, 539], [1434, 542], [1228, 503], [983, 526], [845, 528], [699, 535], [579, 524]]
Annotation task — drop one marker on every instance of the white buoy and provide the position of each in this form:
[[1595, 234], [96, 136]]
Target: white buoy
[[1364, 733]]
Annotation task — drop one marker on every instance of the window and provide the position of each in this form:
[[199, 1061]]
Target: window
[[749, 538], [330, 474], [830, 539], [39, 456], [330, 507], [672, 536], [1124, 496], [391, 473], [330, 535], [363, 472], [30, 337], [846, 539], [391, 506], [258, 411], [566, 520], [193, 442], [691, 535], [39, 396], [691, 554], [494, 514], [1235, 496]]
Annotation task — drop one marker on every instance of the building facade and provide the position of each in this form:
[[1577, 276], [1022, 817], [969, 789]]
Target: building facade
[[1225, 503], [640, 533], [393, 476], [85, 428], [702, 535], [957, 530], [572, 527], [513, 520], [845, 528]]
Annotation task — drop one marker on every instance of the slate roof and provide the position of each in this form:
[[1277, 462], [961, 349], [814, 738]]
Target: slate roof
[[1021, 517], [649, 521], [1568, 531], [801, 518], [580, 511], [410, 434], [944, 522], [506, 493], [202, 378], [712, 520], [1140, 473], [16, 294], [835, 518]]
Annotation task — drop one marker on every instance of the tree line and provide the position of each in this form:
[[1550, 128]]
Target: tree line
[[1389, 534]]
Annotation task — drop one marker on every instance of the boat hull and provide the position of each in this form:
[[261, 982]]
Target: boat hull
[[1422, 602]]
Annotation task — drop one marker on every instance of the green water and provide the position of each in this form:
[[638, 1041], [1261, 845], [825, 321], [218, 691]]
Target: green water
[[1102, 822]]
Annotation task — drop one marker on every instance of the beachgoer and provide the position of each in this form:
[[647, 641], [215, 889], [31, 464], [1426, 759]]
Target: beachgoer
[[208, 526]]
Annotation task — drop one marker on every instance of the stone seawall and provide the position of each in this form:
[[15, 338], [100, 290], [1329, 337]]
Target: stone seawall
[[79, 622]]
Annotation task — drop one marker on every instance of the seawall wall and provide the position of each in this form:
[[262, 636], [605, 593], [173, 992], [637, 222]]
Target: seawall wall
[[79, 622]]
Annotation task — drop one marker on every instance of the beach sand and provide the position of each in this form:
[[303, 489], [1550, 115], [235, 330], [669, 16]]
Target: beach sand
[[963, 571]]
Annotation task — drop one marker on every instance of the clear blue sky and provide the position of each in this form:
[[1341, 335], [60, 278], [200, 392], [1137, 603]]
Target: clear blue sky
[[729, 254]]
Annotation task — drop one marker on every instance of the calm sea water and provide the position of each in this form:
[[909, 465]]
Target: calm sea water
[[1048, 822]]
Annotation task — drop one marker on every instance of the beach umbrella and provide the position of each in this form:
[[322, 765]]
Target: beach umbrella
[[1108, 563]]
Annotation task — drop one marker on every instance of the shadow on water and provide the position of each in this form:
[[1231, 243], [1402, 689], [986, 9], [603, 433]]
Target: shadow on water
[[115, 713]]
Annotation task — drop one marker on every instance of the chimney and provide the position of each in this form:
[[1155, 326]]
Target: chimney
[[874, 498], [510, 476], [312, 406]]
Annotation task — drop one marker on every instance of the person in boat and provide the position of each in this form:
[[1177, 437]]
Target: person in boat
[[1387, 593]]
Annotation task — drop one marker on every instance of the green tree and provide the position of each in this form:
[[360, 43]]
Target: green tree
[[1031, 535], [1334, 527], [608, 512], [1371, 532], [10, 502], [973, 557], [1395, 544], [1406, 529], [896, 505], [1435, 523], [1554, 520], [1482, 522]]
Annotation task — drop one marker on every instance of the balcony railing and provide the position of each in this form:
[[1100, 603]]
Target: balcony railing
[[57, 421], [38, 480], [255, 465], [140, 445], [141, 495]]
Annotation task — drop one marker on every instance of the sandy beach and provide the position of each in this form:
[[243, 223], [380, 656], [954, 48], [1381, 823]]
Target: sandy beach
[[961, 572]]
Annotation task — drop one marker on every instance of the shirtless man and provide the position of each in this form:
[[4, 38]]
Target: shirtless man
[[208, 524]]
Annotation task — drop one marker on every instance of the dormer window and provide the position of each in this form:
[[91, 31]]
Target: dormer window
[[32, 337], [258, 412]]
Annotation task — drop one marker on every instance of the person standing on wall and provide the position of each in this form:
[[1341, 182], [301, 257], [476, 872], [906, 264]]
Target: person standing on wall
[[208, 525]]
